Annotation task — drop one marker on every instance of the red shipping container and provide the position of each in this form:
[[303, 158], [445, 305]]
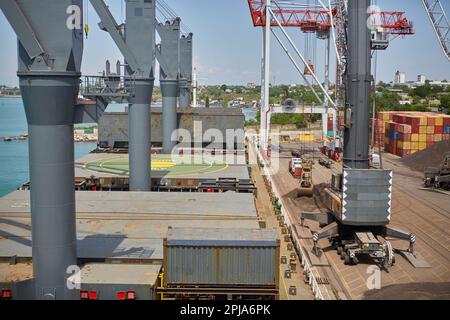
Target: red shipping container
[[403, 152], [438, 129], [447, 121], [398, 118], [415, 128], [431, 121], [409, 120], [446, 137], [412, 120], [393, 126], [404, 136], [430, 137]]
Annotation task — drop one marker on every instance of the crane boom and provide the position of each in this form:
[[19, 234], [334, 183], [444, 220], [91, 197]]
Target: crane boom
[[440, 22]]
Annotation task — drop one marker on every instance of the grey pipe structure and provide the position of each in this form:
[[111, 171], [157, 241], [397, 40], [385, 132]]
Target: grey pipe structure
[[185, 70], [138, 47], [50, 55], [168, 55], [358, 82]]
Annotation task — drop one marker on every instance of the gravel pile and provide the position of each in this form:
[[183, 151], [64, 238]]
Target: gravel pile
[[430, 157], [411, 291]]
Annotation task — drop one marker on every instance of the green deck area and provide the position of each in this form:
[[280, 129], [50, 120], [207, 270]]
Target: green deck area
[[172, 165]]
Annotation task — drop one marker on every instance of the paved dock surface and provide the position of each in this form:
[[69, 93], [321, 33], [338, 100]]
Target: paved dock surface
[[422, 212]]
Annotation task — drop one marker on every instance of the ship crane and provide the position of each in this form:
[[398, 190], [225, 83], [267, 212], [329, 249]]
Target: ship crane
[[323, 21], [308, 20], [359, 200], [312, 20], [440, 22]]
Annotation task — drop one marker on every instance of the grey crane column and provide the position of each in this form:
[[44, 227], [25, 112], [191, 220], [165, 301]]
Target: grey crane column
[[139, 117], [185, 70], [50, 57], [138, 48], [358, 82], [168, 55], [138, 32]]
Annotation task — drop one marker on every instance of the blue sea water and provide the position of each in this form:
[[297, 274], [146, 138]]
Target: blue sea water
[[14, 154]]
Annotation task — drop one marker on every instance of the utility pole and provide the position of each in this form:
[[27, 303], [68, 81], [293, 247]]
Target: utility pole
[[326, 103], [194, 89], [265, 82]]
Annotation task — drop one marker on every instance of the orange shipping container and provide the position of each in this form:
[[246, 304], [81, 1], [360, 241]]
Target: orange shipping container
[[439, 121], [414, 146], [423, 121], [430, 137], [430, 130], [422, 138], [415, 137], [422, 145], [406, 145]]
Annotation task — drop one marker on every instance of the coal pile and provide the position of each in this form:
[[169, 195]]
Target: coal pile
[[430, 157], [320, 196], [411, 291], [309, 204]]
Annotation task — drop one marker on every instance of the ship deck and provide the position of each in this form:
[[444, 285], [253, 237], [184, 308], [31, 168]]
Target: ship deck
[[107, 165], [127, 226]]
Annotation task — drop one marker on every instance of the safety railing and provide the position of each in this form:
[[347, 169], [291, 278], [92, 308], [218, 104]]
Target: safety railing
[[108, 86], [311, 272]]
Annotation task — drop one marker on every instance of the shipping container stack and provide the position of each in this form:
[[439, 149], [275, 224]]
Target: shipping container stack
[[381, 123], [408, 132]]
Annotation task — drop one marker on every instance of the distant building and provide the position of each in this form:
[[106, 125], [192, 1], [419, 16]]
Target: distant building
[[404, 96], [421, 79], [400, 77], [251, 85], [440, 83], [435, 102]]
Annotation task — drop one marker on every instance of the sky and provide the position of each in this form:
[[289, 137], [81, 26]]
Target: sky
[[227, 48]]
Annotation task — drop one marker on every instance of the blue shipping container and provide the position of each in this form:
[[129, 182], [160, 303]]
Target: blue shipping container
[[393, 135]]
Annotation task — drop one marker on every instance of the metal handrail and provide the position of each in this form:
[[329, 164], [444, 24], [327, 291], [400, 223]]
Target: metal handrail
[[312, 281], [112, 85]]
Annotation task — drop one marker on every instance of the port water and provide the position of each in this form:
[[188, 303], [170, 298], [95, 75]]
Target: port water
[[14, 154]]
